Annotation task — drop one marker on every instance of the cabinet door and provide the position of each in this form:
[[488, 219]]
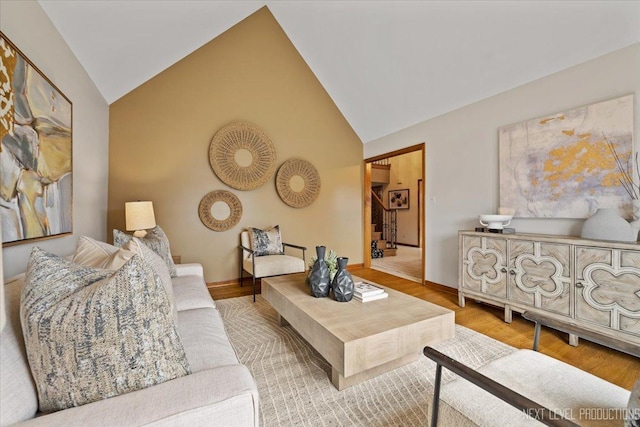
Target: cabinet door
[[540, 275], [608, 288], [484, 265]]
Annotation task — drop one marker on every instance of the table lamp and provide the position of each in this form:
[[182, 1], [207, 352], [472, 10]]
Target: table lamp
[[139, 217]]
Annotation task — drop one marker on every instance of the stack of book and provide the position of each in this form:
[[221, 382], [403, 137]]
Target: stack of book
[[364, 291]]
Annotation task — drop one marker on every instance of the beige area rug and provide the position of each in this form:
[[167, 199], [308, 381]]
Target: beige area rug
[[293, 378], [407, 263]]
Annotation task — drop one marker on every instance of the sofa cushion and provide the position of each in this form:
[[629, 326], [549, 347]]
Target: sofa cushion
[[272, 265], [93, 253], [156, 239], [18, 396], [205, 339], [191, 292], [224, 396], [266, 242], [91, 334], [192, 269], [135, 245]]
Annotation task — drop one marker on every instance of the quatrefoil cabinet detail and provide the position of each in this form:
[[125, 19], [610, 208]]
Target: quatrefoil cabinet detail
[[591, 283], [609, 286]]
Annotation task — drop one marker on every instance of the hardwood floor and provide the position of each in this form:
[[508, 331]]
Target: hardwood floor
[[613, 366]]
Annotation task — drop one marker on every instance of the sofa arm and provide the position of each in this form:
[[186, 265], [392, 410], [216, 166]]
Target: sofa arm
[[193, 269], [223, 396]]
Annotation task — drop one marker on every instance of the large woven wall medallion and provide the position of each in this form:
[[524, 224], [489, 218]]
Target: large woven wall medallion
[[298, 183], [217, 216], [242, 156]]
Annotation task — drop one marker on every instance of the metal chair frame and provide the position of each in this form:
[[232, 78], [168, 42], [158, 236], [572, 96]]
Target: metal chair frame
[[253, 263]]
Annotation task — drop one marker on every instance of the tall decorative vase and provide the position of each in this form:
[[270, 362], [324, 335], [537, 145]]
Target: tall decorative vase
[[606, 224], [635, 224], [319, 277], [342, 283]]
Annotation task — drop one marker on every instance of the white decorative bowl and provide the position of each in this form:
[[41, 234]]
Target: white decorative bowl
[[496, 222]]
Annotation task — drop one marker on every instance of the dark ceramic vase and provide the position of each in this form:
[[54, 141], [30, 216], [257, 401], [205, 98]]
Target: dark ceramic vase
[[342, 283], [319, 277]]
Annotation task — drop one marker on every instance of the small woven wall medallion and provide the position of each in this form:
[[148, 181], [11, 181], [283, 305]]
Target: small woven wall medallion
[[226, 197], [298, 183], [242, 156]]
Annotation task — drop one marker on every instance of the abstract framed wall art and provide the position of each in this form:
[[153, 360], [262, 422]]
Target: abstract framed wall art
[[36, 174], [399, 199], [563, 165]]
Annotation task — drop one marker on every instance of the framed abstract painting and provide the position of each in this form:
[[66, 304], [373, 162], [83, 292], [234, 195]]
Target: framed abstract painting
[[36, 174], [399, 199], [569, 164]]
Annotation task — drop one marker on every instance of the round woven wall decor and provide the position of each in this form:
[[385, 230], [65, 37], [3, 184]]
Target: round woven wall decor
[[230, 199], [298, 168], [246, 142]]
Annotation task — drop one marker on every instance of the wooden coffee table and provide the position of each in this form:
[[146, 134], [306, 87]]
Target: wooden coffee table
[[359, 340]]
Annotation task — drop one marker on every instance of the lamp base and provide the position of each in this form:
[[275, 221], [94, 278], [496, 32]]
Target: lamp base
[[139, 233]]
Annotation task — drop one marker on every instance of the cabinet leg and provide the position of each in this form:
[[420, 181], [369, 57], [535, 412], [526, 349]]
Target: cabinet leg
[[573, 340], [508, 314], [460, 299]]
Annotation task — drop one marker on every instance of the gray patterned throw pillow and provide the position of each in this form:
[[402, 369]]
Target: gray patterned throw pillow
[[155, 239], [136, 246], [91, 334], [266, 242]]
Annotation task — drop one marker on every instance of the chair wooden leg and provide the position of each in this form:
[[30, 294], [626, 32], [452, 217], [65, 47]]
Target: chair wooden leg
[[241, 275]]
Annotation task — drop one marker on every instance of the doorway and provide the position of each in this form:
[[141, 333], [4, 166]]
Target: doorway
[[394, 217]]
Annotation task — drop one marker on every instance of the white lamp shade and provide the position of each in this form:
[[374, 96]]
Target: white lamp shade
[[139, 216]]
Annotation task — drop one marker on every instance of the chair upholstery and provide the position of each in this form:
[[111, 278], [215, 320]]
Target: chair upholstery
[[268, 265]]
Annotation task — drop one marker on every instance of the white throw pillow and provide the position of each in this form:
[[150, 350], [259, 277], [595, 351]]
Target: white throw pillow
[[93, 253], [91, 333]]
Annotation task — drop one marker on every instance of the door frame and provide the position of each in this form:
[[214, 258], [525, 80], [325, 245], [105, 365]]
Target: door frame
[[367, 203]]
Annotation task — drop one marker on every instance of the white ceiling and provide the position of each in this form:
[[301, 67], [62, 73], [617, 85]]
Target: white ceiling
[[386, 64]]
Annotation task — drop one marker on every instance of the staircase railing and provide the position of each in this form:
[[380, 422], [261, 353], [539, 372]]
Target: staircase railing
[[389, 223]]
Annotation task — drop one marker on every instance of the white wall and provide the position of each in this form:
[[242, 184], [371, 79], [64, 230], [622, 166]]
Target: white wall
[[29, 28], [462, 150]]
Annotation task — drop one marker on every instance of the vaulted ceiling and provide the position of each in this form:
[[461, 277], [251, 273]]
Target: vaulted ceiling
[[386, 64]]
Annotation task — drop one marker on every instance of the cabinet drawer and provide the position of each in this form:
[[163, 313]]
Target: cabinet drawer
[[608, 288]]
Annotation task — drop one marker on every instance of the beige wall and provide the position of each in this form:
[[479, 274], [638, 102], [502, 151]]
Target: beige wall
[[29, 28], [160, 135], [462, 147]]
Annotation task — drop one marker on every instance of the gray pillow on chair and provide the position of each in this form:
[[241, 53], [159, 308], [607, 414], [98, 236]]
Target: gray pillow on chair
[[266, 242]]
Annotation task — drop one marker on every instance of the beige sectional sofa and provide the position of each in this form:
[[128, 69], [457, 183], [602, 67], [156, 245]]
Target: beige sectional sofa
[[219, 391]]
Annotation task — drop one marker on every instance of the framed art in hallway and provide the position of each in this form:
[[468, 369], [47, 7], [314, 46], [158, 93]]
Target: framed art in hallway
[[36, 171], [399, 199]]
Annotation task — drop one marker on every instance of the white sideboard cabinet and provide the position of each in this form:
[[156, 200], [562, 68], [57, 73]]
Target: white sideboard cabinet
[[589, 283]]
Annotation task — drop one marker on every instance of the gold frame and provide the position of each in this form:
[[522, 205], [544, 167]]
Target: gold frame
[[40, 187]]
